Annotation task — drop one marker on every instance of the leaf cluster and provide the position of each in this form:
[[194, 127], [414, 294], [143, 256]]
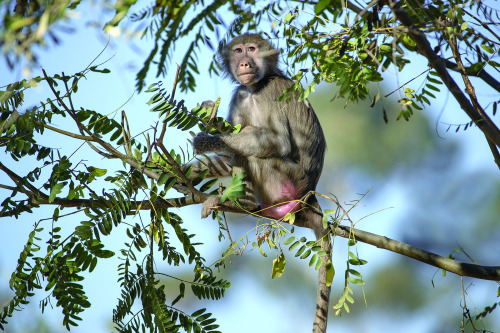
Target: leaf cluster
[[143, 285], [29, 25], [74, 249], [175, 114]]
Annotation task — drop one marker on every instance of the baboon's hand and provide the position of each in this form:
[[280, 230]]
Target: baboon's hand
[[208, 205]]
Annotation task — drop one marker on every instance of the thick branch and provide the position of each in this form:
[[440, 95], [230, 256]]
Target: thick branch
[[87, 203], [450, 265]]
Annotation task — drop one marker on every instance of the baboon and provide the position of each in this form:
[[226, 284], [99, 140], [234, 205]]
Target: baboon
[[281, 146]]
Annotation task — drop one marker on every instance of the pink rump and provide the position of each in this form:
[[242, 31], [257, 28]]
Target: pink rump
[[279, 211]]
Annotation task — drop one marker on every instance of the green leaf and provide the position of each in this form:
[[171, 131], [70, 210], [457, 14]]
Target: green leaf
[[104, 254], [353, 272], [96, 171], [313, 260], [316, 248], [188, 171], [290, 240], [55, 190], [290, 218], [433, 80], [405, 38], [306, 254], [474, 68], [487, 48], [236, 189], [321, 5], [261, 250], [50, 284], [163, 178], [208, 184], [318, 263], [294, 246], [200, 177], [104, 70], [137, 154], [93, 264], [356, 281], [430, 86], [338, 305], [152, 88], [386, 48], [330, 273], [355, 260], [300, 251], [198, 312], [409, 92], [278, 266], [271, 244]]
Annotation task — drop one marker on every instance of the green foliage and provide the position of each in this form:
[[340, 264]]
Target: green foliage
[[167, 28], [352, 276], [142, 283], [278, 266], [305, 248], [103, 200], [351, 50], [236, 189], [29, 25], [175, 114]]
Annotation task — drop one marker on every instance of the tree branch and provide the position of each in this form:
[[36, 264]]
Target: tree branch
[[481, 73], [23, 185], [426, 50], [130, 161], [450, 265], [63, 132], [469, 89]]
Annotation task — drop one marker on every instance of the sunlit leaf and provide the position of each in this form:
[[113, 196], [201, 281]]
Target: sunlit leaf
[[278, 266]]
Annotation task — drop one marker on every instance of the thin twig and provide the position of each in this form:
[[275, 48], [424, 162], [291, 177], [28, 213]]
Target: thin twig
[[172, 96], [70, 134], [126, 133]]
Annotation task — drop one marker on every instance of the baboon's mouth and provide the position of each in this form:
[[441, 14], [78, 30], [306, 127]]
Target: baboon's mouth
[[246, 77]]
